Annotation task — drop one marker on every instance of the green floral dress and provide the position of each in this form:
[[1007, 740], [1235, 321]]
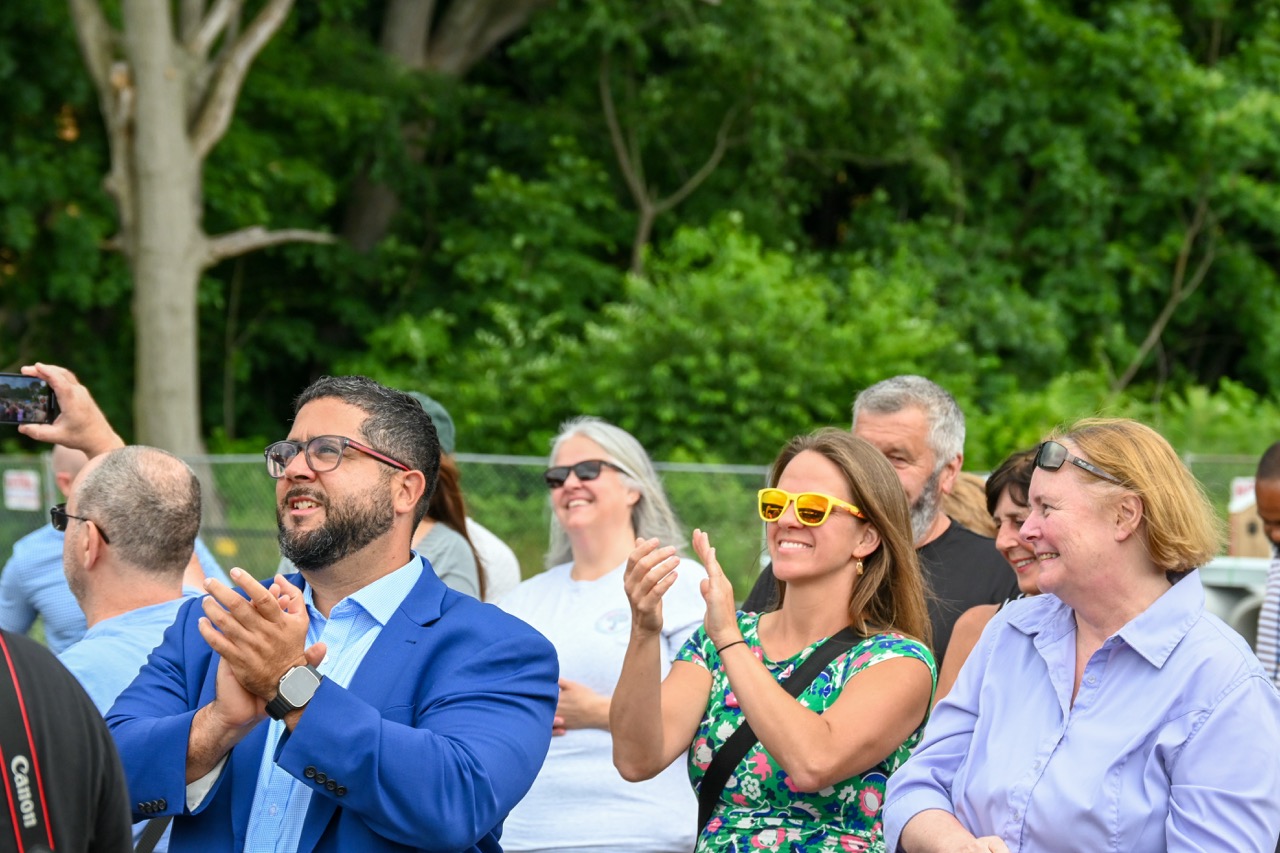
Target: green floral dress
[[760, 809]]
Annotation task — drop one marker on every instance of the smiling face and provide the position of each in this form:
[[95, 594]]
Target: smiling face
[[1009, 517], [602, 503], [800, 552], [323, 518], [1070, 528]]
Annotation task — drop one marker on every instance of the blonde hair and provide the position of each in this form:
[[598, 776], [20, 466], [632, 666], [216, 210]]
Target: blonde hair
[[967, 504], [890, 594], [1182, 529]]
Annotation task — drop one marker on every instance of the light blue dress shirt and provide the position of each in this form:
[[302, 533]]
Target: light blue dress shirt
[[110, 654], [1173, 743], [280, 801], [33, 584]]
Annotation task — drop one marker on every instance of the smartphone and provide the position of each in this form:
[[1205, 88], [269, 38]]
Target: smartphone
[[26, 400]]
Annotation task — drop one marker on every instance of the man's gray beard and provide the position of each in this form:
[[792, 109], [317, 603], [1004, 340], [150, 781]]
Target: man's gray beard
[[347, 528], [925, 508]]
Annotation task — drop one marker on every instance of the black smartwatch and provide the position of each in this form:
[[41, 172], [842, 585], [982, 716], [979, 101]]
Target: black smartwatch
[[297, 686]]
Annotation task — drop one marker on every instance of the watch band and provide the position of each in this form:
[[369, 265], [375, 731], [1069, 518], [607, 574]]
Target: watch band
[[280, 705]]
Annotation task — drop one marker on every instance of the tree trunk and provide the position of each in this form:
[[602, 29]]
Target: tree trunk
[[465, 33], [168, 245]]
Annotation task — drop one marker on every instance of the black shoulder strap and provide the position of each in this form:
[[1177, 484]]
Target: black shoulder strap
[[23, 785], [151, 835], [731, 753]]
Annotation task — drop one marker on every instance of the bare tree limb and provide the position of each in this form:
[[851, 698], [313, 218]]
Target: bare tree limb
[[189, 14], [625, 153], [1180, 288], [200, 42], [470, 30], [236, 243], [215, 112], [96, 38], [713, 160]]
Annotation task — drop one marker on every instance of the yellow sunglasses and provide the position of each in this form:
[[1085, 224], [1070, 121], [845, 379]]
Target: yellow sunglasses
[[812, 508]]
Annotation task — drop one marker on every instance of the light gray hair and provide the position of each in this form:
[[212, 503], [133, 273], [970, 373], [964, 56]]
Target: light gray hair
[[651, 517], [946, 421], [148, 502]]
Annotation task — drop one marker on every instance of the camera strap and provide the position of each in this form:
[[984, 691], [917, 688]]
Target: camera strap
[[733, 750], [24, 787]]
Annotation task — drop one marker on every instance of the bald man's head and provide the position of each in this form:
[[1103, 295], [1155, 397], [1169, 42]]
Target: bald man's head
[[147, 501], [67, 463]]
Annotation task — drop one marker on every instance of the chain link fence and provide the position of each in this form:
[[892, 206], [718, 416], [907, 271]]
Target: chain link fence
[[505, 493]]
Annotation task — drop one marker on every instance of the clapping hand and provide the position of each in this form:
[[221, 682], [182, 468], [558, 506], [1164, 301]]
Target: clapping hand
[[650, 573], [722, 613]]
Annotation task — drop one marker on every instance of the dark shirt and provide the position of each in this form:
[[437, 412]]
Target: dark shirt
[[961, 568], [84, 786]]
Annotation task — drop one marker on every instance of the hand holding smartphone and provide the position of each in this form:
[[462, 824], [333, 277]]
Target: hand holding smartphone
[[26, 400]]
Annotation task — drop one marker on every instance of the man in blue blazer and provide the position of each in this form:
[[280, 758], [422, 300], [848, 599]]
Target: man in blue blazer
[[359, 705]]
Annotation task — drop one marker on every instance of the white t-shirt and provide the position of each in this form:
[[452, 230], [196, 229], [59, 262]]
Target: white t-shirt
[[497, 561], [579, 801]]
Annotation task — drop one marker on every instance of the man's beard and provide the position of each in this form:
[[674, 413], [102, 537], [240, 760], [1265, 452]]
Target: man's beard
[[348, 527], [924, 509]]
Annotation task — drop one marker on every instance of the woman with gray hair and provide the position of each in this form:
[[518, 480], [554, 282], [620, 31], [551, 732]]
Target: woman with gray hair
[[605, 494]]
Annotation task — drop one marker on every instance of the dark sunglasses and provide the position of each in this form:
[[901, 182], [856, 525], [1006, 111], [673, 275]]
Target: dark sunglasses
[[323, 454], [1052, 455], [58, 516], [588, 469]]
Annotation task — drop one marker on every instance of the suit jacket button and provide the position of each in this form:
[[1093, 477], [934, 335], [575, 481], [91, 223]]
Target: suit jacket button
[[310, 773], [162, 804], [331, 785], [342, 791], [321, 778]]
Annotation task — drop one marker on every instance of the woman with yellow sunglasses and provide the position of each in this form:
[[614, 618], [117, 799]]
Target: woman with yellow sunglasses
[[813, 772]]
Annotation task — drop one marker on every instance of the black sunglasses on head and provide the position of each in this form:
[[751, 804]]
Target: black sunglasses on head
[[588, 469], [1051, 456]]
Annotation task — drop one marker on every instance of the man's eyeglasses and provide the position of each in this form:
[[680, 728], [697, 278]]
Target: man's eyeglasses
[[1052, 455], [323, 454], [812, 508], [588, 469], [58, 516]]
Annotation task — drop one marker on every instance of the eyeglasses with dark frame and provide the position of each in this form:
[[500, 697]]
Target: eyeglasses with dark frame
[[1051, 456], [322, 453], [58, 516], [588, 469]]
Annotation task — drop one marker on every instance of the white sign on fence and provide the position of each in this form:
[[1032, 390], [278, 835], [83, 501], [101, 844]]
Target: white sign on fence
[[22, 490]]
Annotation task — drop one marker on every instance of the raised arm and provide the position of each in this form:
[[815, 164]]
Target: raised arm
[[877, 710], [653, 720], [80, 425]]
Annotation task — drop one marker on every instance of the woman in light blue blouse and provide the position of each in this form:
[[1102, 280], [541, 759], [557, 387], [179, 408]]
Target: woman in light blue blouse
[[1114, 713]]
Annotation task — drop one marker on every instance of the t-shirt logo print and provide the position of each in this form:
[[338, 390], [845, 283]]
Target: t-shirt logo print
[[614, 622]]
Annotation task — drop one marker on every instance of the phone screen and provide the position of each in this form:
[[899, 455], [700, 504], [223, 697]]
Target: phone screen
[[26, 400]]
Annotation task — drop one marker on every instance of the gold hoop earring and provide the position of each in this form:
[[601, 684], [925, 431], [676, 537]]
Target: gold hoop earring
[[858, 568]]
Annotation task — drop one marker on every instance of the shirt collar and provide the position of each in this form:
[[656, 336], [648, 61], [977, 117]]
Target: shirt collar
[[381, 598], [1154, 633]]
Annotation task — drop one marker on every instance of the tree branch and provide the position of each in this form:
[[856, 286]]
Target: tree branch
[[189, 14], [207, 31], [468, 31], [236, 243], [218, 106], [95, 36], [630, 173], [1180, 289], [696, 179]]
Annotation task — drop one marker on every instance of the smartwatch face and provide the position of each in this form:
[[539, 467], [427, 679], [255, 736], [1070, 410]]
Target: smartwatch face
[[299, 686]]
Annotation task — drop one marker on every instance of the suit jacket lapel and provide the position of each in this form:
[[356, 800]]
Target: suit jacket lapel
[[375, 675]]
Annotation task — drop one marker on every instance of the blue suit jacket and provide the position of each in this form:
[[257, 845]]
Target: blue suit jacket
[[442, 731]]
